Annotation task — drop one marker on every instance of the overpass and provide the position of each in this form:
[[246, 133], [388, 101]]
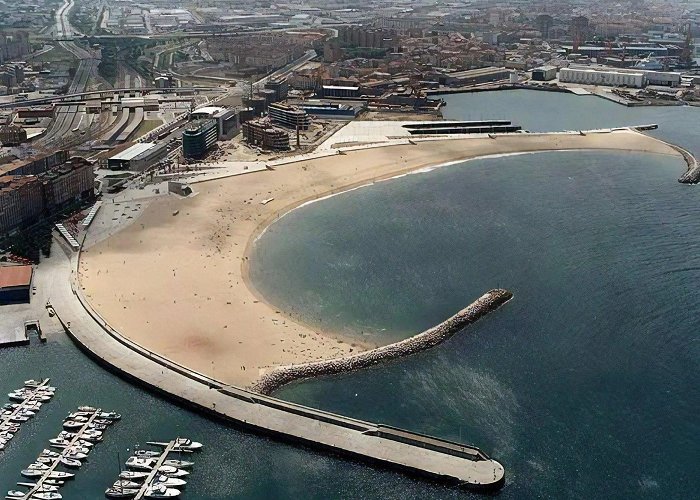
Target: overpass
[[102, 94]]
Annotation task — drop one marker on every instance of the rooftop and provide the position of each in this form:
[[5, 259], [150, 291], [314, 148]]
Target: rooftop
[[210, 110], [12, 276], [133, 151]]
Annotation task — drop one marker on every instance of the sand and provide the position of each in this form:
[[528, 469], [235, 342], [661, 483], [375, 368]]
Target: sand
[[178, 284]]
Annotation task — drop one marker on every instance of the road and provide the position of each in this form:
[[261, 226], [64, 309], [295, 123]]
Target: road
[[63, 26], [67, 118]]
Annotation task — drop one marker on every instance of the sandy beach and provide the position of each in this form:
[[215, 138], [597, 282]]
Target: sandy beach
[[178, 285]]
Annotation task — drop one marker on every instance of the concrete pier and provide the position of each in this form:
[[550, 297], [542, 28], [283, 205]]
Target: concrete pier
[[439, 459], [282, 375], [154, 472], [57, 462]]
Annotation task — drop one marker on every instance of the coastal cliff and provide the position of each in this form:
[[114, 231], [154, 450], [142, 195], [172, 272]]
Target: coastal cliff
[[280, 376]]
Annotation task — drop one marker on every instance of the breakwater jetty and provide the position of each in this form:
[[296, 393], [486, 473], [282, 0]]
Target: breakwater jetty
[[280, 376], [692, 175], [419, 455]]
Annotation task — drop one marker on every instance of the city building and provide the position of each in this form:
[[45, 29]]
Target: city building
[[473, 76], [39, 188], [613, 78], [198, 138], [164, 82], [137, 157], [226, 120], [36, 165], [15, 284], [260, 132], [12, 135], [69, 183], [280, 88], [289, 116], [544, 73], [14, 44], [331, 109], [21, 202], [340, 91]]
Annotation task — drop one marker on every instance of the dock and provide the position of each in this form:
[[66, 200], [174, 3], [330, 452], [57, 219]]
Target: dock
[[10, 419], [13, 337], [39, 482], [154, 471], [52, 467]]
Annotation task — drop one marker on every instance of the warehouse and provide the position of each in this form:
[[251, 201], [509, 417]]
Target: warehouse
[[138, 157], [544, 73], [612, 78]]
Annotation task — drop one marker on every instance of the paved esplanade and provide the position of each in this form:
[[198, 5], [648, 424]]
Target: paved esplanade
[[432, 457]]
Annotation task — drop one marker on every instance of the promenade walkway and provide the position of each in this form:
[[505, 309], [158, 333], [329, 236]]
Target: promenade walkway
[[432, 457]]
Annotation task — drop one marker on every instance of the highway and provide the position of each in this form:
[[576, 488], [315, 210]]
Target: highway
[[67, 118]]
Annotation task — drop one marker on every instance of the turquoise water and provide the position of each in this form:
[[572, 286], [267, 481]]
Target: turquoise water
[[585, 384]]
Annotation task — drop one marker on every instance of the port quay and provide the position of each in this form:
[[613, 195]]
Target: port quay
[[453, 463]]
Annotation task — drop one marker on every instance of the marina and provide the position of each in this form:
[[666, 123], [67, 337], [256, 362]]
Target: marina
[[26, 403], [153, 474], [480, 398], [83, 429]]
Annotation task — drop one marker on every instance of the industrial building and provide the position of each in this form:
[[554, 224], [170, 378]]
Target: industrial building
[[603, 75], [289, 116], [614, 78], [226, 120], [544, 73], [665, 78], [15, 284], [342, 92], [138, 157], [472, 76], [330, 110], [260, 132], [198, 138]]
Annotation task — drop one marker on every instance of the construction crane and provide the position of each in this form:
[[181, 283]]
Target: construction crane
[[686, 58]]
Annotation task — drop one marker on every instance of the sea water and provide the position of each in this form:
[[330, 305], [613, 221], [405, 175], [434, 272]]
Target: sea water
[[584, 385]]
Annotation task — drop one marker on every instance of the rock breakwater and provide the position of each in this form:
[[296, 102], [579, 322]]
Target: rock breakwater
[[282, 375], [692, 175]]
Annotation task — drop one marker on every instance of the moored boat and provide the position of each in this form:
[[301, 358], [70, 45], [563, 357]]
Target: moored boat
[[133, 475], [121, 492], [161, 492], [180, 464]]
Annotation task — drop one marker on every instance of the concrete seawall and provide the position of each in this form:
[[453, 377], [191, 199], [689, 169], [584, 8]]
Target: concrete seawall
[[419, 455], [280, 376], [439, 459]]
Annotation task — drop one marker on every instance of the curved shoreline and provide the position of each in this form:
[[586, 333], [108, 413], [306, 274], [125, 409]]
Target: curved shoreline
[[202, 390], [282, 375], [264, 225], [262, 336]]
